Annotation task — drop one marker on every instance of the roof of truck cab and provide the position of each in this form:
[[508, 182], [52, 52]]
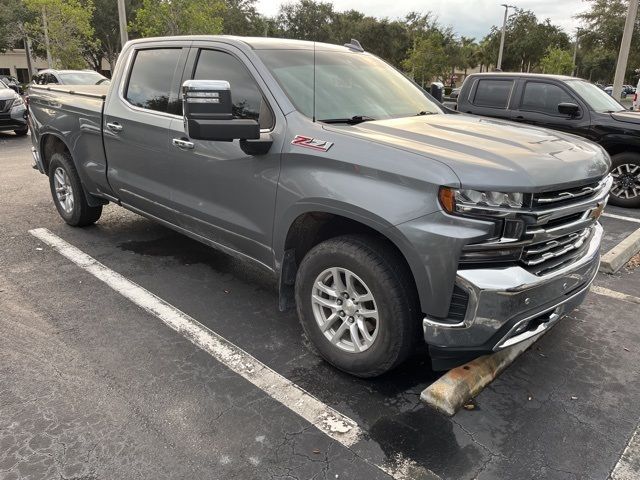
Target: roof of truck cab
[[255, 43], [524, 75]]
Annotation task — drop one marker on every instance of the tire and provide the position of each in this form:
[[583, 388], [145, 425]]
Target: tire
[[21, 132], [373, 266], [625, 168], [63, 175]]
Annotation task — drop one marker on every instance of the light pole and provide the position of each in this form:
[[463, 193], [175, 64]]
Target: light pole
[[122, 15], [575, 54], [623, 56], [504, 28]]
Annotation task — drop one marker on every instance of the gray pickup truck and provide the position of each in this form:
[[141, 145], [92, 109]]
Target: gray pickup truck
[[386, 218]]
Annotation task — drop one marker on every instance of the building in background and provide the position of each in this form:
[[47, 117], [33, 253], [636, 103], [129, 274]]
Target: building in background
[[14, 62]]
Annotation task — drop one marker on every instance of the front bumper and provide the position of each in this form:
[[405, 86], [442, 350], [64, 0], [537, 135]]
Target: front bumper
[[14, 119], [508, 305]]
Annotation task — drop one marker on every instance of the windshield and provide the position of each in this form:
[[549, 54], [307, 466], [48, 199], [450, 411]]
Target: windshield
[[348, 85], [596, 98], [80, 78]]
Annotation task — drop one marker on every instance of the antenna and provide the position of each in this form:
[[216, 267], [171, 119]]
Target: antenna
[[354, 45], [314, 82]]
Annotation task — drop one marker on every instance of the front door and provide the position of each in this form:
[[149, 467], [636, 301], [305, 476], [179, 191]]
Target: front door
[[539, 106], [221, 192]]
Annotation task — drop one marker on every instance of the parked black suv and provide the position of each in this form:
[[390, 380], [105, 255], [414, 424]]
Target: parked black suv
[[564, 103]]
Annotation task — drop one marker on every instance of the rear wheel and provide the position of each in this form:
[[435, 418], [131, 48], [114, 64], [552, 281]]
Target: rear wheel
[[68, 194], [357, 305], [625, 169]]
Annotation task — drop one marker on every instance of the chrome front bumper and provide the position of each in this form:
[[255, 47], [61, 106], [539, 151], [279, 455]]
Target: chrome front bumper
[[508, 305]]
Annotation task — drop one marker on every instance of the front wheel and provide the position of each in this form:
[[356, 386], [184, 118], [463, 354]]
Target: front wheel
[[625, 169], [68, 194], [357, 304]]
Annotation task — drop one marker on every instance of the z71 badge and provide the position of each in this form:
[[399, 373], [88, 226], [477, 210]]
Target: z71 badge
[[314, 143]]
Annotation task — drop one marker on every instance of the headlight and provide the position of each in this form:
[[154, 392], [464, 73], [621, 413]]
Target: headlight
[[457, 200], [17, 102]]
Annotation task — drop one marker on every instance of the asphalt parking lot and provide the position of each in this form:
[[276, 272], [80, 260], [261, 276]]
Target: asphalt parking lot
[[92, 386]]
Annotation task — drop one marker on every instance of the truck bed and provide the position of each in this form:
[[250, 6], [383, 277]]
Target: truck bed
[[72, 113]]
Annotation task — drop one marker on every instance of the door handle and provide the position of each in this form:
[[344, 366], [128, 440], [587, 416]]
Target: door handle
[[183, 144], [114, 127]]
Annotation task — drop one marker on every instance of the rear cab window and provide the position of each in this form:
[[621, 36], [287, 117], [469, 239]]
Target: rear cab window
[[151, 80], [493, 93]]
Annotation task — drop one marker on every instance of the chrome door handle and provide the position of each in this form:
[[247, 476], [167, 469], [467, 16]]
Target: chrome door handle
[[114, 127], [183, 144]]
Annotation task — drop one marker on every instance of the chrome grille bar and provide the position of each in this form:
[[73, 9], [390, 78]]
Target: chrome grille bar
[[553, 197], [538, 254]]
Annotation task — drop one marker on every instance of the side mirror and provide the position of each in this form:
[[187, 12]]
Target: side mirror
[[208, 113], [570, 109]]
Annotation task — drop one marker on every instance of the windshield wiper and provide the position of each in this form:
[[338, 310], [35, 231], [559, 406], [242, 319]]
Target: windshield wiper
[[351, 121]]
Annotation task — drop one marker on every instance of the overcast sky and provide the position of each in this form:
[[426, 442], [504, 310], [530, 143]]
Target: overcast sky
[[467, 17]]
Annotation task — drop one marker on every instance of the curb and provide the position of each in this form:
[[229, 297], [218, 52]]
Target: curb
[[614, 259], [456, 387]]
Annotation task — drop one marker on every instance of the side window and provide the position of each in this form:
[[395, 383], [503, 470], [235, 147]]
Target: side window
[[151, 78], [51, 78], [543, 98], [245, 94], [493, 93]]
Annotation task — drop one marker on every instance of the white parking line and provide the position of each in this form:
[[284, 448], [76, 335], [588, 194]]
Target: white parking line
[[334, 424], [613, 294], [628, 467], [621, 217], [328, 420]]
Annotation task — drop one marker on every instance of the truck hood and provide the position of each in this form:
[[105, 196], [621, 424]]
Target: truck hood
[[491, 154], [627, 117]]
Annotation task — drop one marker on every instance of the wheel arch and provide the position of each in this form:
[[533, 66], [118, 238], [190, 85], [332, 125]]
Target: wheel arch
[[51, 143], [307, 227]]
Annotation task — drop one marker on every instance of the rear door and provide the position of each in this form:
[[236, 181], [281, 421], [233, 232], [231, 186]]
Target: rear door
[[537, 104], [136, 124], [490, 96]]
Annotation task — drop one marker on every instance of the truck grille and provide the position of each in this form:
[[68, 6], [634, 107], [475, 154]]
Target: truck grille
[[5, 105], [541, 258], [550, 199], [555, 230]]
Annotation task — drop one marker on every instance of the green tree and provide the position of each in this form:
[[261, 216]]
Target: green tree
[[428, 59], [69, 28], [307, 20], [241, 18], [557, 61], [468, 53], [104, 21], [157, 18], [14, 18], [526, 41], [600, 38]]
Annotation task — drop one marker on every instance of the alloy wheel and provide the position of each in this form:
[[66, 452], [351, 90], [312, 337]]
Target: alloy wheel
[[64, 190], [626, 180], [345, 310]]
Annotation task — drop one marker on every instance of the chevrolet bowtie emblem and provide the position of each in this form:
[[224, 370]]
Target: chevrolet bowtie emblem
[[597, 212]]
